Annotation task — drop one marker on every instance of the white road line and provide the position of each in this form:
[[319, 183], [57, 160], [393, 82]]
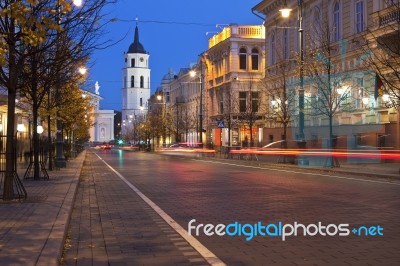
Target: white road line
[[298, 172], [210, 257]]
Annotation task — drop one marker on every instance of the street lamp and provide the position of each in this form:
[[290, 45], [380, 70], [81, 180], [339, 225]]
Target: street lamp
[[60, 159], [285, 12], [200, 129]]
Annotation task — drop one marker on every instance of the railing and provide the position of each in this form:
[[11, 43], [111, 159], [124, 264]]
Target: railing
[[256, 32], [390, 17], [18, 189]]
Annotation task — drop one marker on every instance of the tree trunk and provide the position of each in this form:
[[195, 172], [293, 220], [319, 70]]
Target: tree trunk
[[35, 139], [8, 190]]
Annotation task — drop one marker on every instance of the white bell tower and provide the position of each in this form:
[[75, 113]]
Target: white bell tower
[[136, 84]]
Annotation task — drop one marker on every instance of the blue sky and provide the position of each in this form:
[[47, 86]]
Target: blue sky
[[170, 45]]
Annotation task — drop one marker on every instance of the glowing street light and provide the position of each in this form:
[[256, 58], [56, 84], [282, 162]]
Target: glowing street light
[[78, 2], [285, 12]]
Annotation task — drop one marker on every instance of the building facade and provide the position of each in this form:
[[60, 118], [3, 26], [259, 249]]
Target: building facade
[[136, 84], [234, 66], [338, 40], [102, 120], [218, 100]]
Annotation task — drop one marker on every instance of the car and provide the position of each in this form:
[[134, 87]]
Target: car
[[106, 147]]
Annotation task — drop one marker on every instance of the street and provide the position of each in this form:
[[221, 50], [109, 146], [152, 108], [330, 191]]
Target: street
[[118, 218]]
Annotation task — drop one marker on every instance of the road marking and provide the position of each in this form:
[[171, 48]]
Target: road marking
[[298, 172], [210, 257]]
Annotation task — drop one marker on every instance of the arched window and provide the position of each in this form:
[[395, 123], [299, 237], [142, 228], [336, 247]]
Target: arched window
[[243, 58], [141, 82], [359, 23], [272, 51], [254, 59], [133, 62], [317, 21], [285, 43], [336, 22], [132, 81]]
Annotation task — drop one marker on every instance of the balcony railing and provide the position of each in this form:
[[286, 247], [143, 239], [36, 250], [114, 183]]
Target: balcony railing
[[255, 32], [393, 16]]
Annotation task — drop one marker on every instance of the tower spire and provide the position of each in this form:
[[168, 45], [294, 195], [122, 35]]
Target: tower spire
[[136, 46]]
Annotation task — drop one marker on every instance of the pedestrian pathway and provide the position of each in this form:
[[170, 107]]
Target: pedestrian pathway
[[32, 232], [112, 225]]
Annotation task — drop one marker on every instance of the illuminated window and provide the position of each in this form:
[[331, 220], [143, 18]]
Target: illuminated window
[[254, 59], [243, 58]]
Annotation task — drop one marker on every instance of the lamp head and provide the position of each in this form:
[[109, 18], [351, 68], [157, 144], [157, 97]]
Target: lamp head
[[285, 11]]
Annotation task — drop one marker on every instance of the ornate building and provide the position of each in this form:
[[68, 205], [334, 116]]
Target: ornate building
[[342, 93]]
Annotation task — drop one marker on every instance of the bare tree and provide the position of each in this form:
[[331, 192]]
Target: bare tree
[[329, 86], [249, 107]]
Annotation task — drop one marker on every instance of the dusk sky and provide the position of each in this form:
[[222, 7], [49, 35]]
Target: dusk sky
[[173, 33]]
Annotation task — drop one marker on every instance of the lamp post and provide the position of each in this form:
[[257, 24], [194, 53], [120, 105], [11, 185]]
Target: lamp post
[[200, 129], [60, 159], [161, 100], [285, 12]]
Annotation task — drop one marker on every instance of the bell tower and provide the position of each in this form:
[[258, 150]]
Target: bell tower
[[136, 84]]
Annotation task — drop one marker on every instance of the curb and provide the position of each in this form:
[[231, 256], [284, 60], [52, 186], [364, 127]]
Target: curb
[[52, 250]]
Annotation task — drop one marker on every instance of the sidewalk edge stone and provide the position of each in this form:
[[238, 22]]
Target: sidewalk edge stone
[[52, 250]]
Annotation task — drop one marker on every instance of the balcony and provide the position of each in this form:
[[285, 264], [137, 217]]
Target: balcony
[[386, 21], [390, 17], [251, 32]]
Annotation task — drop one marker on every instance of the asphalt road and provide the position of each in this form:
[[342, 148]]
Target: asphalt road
[[216, 192]]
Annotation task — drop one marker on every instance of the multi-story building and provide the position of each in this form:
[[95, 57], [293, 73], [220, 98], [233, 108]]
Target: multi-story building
[[340, 86], [234, 65], [218, 100]]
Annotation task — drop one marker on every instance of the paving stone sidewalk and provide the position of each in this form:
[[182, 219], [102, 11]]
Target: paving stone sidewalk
[[32, 232]]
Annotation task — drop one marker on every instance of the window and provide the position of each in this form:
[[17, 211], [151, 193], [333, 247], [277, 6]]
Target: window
[[221, 107], [359, 16], [361, 92], [285, 44], [254, 59], [272, 51], [167, 96], [243, 58], [132, 81], [317, 22], [141, 102], [336, 22], [133, 62], [242, 101], [254, 101], [141, 82]]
